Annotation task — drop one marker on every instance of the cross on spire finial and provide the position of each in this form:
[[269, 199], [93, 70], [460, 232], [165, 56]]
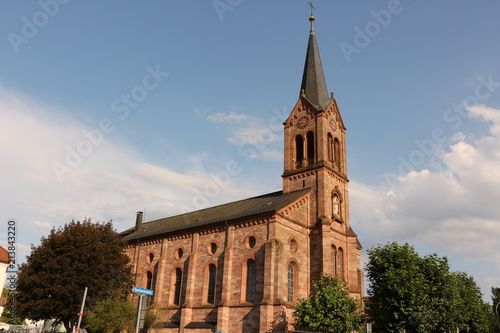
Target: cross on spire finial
[[312, 8], [312, 18]]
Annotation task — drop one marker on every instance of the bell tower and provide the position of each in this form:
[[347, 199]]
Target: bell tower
[[315, 158], [315, 147]]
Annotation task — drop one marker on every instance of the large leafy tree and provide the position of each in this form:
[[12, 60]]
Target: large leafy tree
[[465, 308], [81, 254], [329, 308], [420, 294], [495, 297]]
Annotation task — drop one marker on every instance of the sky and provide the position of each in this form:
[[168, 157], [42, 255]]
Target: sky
[[109, 108]]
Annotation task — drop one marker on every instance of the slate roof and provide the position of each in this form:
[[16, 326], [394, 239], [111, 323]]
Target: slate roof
[[263, 204], [313, 79]]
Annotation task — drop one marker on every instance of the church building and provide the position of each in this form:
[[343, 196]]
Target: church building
[[241, 266]]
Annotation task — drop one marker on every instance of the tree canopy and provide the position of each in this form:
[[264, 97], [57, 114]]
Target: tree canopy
[[420, 294], [329, 308], [495, 297], [81, 254], [113, 314]]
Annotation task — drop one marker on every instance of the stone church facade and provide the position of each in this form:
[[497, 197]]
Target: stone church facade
[[241, 266]]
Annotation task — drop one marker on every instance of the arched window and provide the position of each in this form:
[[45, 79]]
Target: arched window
[[334, 260], [149, 280], [330, 148], [251, 280], [340, 263], [310, 145], [212, 275], [177, 286], [299, 148], [336, 151], [291, 282]]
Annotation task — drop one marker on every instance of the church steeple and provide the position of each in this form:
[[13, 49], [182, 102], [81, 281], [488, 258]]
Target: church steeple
[[313, 79], [314, 130]]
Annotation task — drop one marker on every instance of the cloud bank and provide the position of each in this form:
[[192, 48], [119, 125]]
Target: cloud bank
[[455, 206], [111, 181]]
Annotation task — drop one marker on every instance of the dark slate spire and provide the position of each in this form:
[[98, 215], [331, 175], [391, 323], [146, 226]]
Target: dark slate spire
[[313, 79]]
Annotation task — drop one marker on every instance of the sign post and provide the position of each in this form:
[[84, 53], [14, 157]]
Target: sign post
[[144, 291], [80, 314], [141, 306]]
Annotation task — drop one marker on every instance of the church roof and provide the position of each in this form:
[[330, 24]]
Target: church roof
[[313, 79], [263, 204], [4, 256]]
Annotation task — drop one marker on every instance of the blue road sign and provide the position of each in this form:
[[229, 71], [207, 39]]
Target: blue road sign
[[144, 291]]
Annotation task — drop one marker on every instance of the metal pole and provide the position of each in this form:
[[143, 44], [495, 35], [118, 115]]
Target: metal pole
[[80, 315], [139, 308]]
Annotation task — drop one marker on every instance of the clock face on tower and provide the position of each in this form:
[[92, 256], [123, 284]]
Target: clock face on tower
[[303, 121]]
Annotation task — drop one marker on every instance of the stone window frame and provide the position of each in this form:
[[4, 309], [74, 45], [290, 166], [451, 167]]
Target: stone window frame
[[246, 281], [248, 241], [299, 148], [340, 263], [310, 146], [330, 148], [337, 157], [293, 245], [337, 216], [334, 259], [175, 287], [209, 292], [179, 253], [292, 280], [210, 248]]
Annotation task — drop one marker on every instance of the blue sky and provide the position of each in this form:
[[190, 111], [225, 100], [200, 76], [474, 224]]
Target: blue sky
[[113, 107]]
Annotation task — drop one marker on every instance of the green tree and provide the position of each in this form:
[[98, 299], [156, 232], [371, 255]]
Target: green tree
[[465, 308], [113, 314], [81, 254], [419, 294], [329, 308], [400, 297], [10, 304], [495, 297]]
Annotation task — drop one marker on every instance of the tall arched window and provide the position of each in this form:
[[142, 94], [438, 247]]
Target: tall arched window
[[330, 148], [336, 151], [340, 263], [177, 286], [291, 282], [310, 145], [251, 280], [299, 148], [212, 276], [334, 260], [149, 280]]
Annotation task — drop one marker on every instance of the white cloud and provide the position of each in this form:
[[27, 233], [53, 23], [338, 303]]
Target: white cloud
[[112, 181], [42, 225], [232, 117], [255, 137], [455, 207]]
